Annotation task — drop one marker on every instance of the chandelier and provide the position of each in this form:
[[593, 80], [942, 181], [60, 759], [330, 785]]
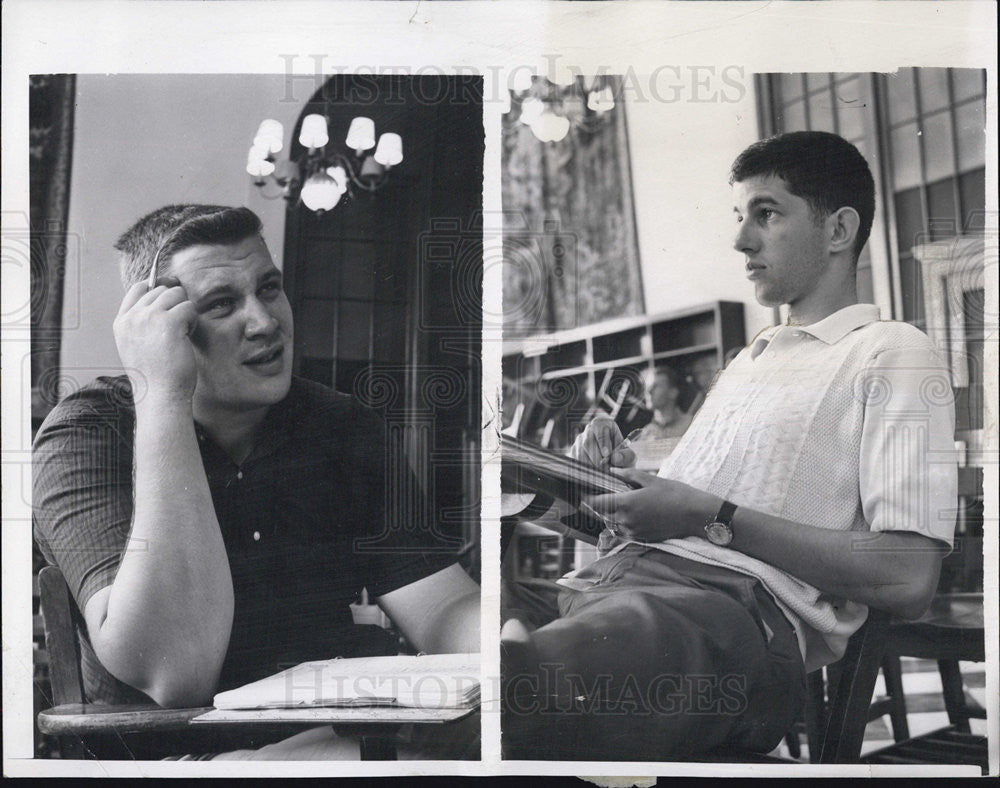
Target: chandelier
[[319, 176], [551, 106]]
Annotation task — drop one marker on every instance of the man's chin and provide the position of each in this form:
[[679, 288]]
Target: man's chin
[[276, 389], [767, 297], [264, 392]]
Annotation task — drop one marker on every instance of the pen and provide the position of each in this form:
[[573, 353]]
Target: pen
[[633, 435], [151, 282]]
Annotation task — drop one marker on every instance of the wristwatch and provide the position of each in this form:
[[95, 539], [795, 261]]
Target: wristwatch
[[720, 530]]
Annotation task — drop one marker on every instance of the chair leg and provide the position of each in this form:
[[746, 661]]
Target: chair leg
[[794, 745], [815, 714], [72, 748], [378, 748], [954, 694], [851, 698], [892, 672]]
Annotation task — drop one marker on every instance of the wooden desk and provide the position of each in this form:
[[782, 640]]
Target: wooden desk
[[376, 726], [334, 715]]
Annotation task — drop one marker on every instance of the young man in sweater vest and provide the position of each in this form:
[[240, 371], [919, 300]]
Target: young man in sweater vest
[[817, 480]]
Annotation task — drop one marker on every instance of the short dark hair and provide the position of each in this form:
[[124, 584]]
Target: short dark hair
[[172, 228], [671, 374], [825, 170]]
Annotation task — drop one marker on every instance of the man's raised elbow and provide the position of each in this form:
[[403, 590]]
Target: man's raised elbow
[[917, 573], [165, 681], [180, 695], [914, 602], [913, 597]]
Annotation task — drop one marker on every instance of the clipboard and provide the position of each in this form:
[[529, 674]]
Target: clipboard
[[555, 479]]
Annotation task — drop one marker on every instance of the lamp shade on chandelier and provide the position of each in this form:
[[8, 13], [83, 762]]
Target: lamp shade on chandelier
[[319, 177], [554, 105]]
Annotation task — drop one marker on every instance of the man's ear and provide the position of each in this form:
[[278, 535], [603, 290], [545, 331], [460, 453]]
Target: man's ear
[[843, 223]]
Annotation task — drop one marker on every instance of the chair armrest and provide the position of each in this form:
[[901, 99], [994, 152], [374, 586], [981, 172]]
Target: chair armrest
[[81, 719], [951, 629]]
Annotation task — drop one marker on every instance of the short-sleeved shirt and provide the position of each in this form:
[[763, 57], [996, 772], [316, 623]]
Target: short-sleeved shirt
[[846, 424], [322, 508]]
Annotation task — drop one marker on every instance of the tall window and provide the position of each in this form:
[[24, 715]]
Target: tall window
[[922, 131]]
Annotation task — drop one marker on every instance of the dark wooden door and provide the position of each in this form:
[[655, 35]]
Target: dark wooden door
[[387, 288]]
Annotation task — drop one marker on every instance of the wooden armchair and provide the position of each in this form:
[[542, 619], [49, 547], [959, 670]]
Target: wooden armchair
[[951, 630], [88, 730], [145, 732]]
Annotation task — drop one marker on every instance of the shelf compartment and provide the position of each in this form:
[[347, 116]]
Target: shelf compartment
[[621, 344], [571, 354], [700, 329]]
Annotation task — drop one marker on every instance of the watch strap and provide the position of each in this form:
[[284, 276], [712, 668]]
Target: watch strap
[[726, 512]]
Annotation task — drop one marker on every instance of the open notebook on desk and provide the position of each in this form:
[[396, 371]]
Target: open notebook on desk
[[432, 681]]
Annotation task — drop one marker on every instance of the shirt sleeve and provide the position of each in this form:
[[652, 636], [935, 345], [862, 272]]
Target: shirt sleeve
[[404, 541], [908, 472], [82, 492]]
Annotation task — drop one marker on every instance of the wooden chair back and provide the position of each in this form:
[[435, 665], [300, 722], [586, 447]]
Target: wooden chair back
[[61, 643]]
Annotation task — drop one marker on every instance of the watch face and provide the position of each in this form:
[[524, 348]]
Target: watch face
[[719, 533]]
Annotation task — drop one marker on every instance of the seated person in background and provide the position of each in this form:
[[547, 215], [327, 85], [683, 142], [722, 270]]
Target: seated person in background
[[702, 373], [669, 421], [817, 479], [658, 438], [213, 515]]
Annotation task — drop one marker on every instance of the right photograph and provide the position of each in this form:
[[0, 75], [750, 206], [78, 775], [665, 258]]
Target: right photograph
[[743, 417]]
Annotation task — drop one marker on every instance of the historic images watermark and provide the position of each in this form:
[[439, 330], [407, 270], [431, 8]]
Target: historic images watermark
[[664, 84]]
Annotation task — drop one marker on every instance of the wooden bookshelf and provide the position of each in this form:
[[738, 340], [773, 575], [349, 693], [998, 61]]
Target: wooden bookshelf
[[555, 383]]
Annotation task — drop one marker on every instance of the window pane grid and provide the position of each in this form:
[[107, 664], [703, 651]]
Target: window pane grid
[[836, 106], [923, 129], [824, 102], [949, 141]]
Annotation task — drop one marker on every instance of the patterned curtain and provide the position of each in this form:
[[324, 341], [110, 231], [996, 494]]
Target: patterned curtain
[[570, 251], [50, 110]]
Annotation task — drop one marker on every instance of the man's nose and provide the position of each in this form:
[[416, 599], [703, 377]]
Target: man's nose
[[259, 319], [744, 241]]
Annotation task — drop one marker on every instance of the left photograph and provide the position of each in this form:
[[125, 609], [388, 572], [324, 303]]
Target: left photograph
[[256, 306]]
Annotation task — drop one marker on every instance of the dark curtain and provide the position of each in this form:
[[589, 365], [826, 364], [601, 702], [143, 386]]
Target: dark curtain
[[570, 249], [50, 114]]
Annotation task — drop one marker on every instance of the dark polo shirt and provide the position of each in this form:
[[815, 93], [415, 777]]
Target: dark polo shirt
[[320, 509]]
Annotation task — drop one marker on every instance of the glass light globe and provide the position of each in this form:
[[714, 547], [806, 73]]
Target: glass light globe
[[549, 127], [339, 175], [320, 192], [531, 108], [601, 100]]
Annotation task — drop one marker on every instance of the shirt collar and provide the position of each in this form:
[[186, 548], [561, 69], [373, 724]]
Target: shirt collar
[[832, 328], [274, 429]]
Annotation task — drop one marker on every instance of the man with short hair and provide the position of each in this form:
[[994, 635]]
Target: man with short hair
[[669, 420], [213, 515], [817, 479]]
